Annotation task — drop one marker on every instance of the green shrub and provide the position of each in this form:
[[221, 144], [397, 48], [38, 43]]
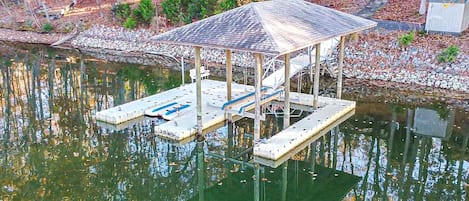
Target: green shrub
[[406, 39], [123, 11], [130, 23], [172, 10], [225, 5], [449, 54], [47, 27], [145, 11]]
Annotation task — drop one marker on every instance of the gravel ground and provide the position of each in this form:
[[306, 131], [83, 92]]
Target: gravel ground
[[377, 56]]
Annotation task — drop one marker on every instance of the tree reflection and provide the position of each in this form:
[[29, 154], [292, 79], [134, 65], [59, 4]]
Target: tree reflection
[[405, 165], [52, 148]]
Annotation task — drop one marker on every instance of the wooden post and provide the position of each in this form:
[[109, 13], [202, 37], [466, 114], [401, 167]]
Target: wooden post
[[286, 116], [341, 66], [199, 91], [229, 79], [182, 71], [316, 76], [310, 57], [257, 85]]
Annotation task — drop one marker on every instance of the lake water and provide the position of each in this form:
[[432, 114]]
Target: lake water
[[53, 149]]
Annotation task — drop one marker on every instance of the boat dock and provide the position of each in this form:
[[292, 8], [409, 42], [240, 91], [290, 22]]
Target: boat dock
[[178, 106]]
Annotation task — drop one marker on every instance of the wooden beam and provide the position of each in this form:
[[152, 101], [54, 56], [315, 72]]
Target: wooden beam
[[286, 116], [316, 76], [198, 91], [341, 66], [257, 108], [229, 79]]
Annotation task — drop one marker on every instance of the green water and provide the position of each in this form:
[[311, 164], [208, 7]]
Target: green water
[[53, 149]]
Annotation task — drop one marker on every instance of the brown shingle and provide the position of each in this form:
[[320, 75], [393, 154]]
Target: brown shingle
[[271, 27]]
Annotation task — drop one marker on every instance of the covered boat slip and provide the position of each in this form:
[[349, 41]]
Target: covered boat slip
[[277, 28]]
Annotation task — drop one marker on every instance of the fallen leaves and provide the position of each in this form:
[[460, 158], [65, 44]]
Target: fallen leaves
[[403, 11]]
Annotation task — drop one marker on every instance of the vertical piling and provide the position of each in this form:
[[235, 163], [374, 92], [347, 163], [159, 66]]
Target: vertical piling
[[257, 84], [286, 117], [229, 79], [341, 66], [316, 76], [199, 91]]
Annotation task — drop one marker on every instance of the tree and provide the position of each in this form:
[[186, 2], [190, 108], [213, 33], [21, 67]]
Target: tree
[[172, 10], [145, 11], [43, 4], [98, 2]]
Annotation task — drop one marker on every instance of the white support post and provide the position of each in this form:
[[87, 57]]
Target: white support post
[[316, 76], [199, 90], [341, 66], [182, 71], [229, 79], [286, 116], [257, 85], [310, 57]]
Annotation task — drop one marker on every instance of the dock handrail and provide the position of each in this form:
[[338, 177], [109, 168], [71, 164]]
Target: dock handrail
[[164, 106], [177, 109], [231, 102], [243, 108]]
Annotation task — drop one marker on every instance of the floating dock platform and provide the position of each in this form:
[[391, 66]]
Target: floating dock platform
[[183, 122], [290, 138], [290, 153], [178, 105]]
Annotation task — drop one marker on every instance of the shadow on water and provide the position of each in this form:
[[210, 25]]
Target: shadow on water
[[52, 148]]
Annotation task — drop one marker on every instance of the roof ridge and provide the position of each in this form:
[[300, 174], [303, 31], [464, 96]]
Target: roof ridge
[[264, 27]]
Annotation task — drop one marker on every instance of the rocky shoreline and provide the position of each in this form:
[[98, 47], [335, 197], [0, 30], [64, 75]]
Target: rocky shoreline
[[374, 58], [117, 41], [9, 35], [378, 57]]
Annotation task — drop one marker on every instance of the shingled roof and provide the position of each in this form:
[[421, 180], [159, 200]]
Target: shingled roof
[[270, 27]]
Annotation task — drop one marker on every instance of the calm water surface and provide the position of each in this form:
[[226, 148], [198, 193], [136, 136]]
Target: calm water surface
[[53, 149]]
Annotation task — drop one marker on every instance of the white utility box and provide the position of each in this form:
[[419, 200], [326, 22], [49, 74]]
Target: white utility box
[[450, 16]]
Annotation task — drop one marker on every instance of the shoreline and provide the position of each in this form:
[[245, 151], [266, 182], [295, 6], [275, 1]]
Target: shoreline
[[30, 37], [119, 45]]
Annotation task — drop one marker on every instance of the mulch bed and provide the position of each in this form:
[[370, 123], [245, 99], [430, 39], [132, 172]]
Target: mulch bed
[[402, 11], [348, 6]]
